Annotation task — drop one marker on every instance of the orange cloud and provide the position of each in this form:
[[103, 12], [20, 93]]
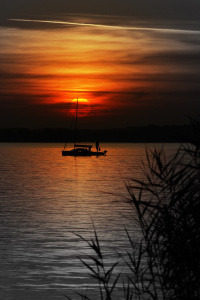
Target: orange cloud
[[123, 74]]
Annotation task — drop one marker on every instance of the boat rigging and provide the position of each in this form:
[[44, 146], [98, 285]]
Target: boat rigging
[[80, 149]]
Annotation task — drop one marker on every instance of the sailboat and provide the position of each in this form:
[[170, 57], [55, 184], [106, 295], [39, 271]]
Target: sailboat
[[80, 149]]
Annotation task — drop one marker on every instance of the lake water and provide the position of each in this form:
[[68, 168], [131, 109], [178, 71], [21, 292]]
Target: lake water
[[45, 199]]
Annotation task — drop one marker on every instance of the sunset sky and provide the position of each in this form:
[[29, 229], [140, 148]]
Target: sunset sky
[[130, 63]]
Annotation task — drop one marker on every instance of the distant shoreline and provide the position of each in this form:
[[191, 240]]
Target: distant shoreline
[[143, 134]]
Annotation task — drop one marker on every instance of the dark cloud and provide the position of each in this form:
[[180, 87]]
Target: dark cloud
[[120, 109], [165, 57], [173, 9]]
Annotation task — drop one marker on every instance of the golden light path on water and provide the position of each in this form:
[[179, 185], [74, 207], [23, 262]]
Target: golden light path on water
[[171, 30], [46, 200]]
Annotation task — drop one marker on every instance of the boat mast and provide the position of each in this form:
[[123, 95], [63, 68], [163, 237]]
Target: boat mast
[[75, 134]]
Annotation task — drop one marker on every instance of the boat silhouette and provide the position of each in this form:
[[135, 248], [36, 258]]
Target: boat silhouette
[[80, 149]]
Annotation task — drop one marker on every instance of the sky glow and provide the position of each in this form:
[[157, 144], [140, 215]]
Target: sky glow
[[132, 70]]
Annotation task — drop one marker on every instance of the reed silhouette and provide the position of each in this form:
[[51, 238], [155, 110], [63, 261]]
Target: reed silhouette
[[165, 262]]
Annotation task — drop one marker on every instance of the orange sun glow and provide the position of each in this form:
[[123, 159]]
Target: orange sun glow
[[83, 107]]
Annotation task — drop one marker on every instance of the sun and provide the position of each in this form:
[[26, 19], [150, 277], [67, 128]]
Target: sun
[[83, 107]]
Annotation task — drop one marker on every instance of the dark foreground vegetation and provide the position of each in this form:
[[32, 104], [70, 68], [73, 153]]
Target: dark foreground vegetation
[[145, 134], [165, 263]]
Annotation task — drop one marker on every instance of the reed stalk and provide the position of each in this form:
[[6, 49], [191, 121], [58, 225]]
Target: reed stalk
[[165, 263]]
